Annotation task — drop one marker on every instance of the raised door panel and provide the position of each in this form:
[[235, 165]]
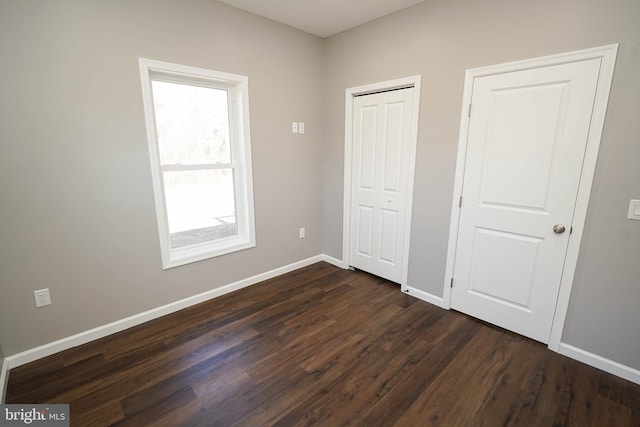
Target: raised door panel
[[527, 138], [381, 140]]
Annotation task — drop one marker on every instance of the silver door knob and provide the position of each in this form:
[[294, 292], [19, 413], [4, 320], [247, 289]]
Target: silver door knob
[[558, 228]]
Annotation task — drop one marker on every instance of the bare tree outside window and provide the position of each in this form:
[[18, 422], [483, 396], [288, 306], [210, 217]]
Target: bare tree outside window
[[193, 130], [199, 139]]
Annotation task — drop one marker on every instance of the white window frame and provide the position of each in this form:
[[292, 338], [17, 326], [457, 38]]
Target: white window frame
[[237, 87]]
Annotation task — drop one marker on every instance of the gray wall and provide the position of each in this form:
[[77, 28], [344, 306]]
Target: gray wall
[[439, 39], [76, 195]]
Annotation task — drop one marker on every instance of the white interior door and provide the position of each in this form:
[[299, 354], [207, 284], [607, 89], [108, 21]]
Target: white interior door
[[381, 141], [527, 137]]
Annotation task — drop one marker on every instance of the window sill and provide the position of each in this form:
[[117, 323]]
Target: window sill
[[188, 255]]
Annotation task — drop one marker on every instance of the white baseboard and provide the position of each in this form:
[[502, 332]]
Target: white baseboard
[[4, 378], [600, 362], [27, 356], [575, 353], [334, 261], [424, 296], [120, 325]]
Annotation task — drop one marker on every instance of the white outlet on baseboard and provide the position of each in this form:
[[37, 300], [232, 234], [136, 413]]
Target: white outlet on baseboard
[[43, 297], [301, 232]]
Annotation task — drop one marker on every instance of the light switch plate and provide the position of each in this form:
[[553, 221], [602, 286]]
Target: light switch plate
[[300, 127], [634, 210]]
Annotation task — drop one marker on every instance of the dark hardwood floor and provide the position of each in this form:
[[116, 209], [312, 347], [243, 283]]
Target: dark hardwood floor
[[325, 347]]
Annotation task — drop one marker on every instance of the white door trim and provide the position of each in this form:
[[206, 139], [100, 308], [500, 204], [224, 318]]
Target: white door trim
[[351, 93], [607, 55]]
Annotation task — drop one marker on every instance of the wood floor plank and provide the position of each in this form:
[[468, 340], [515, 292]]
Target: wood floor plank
[[382, 375], [232, 410], [610, 413], [582, 409], [64, 379], [105, 415], [324, 408], [124, 381], [323, 346], [217, 391], [293, 405], [409, 324], [390, 407], [352, 342], [154, 408], [507, 398], [621, 392], [480, 367], [545, 391], [286, 352]]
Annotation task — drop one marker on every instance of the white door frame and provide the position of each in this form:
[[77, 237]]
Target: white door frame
[[351, 93], [607, 55]]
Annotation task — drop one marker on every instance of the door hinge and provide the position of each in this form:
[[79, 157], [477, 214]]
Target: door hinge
[[452, 282], [460, 202], [469, 112], [571, 230]]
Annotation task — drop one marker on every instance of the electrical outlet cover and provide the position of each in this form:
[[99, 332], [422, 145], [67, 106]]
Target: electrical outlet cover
[[634, 210], [42, 297]]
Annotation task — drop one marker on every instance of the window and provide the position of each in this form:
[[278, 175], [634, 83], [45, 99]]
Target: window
[[198, 134]]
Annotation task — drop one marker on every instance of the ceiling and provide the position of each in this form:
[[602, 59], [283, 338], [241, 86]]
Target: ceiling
[[322, 17]]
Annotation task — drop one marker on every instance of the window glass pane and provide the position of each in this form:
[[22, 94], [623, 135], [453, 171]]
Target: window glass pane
[[200, 206], [192, 124]]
